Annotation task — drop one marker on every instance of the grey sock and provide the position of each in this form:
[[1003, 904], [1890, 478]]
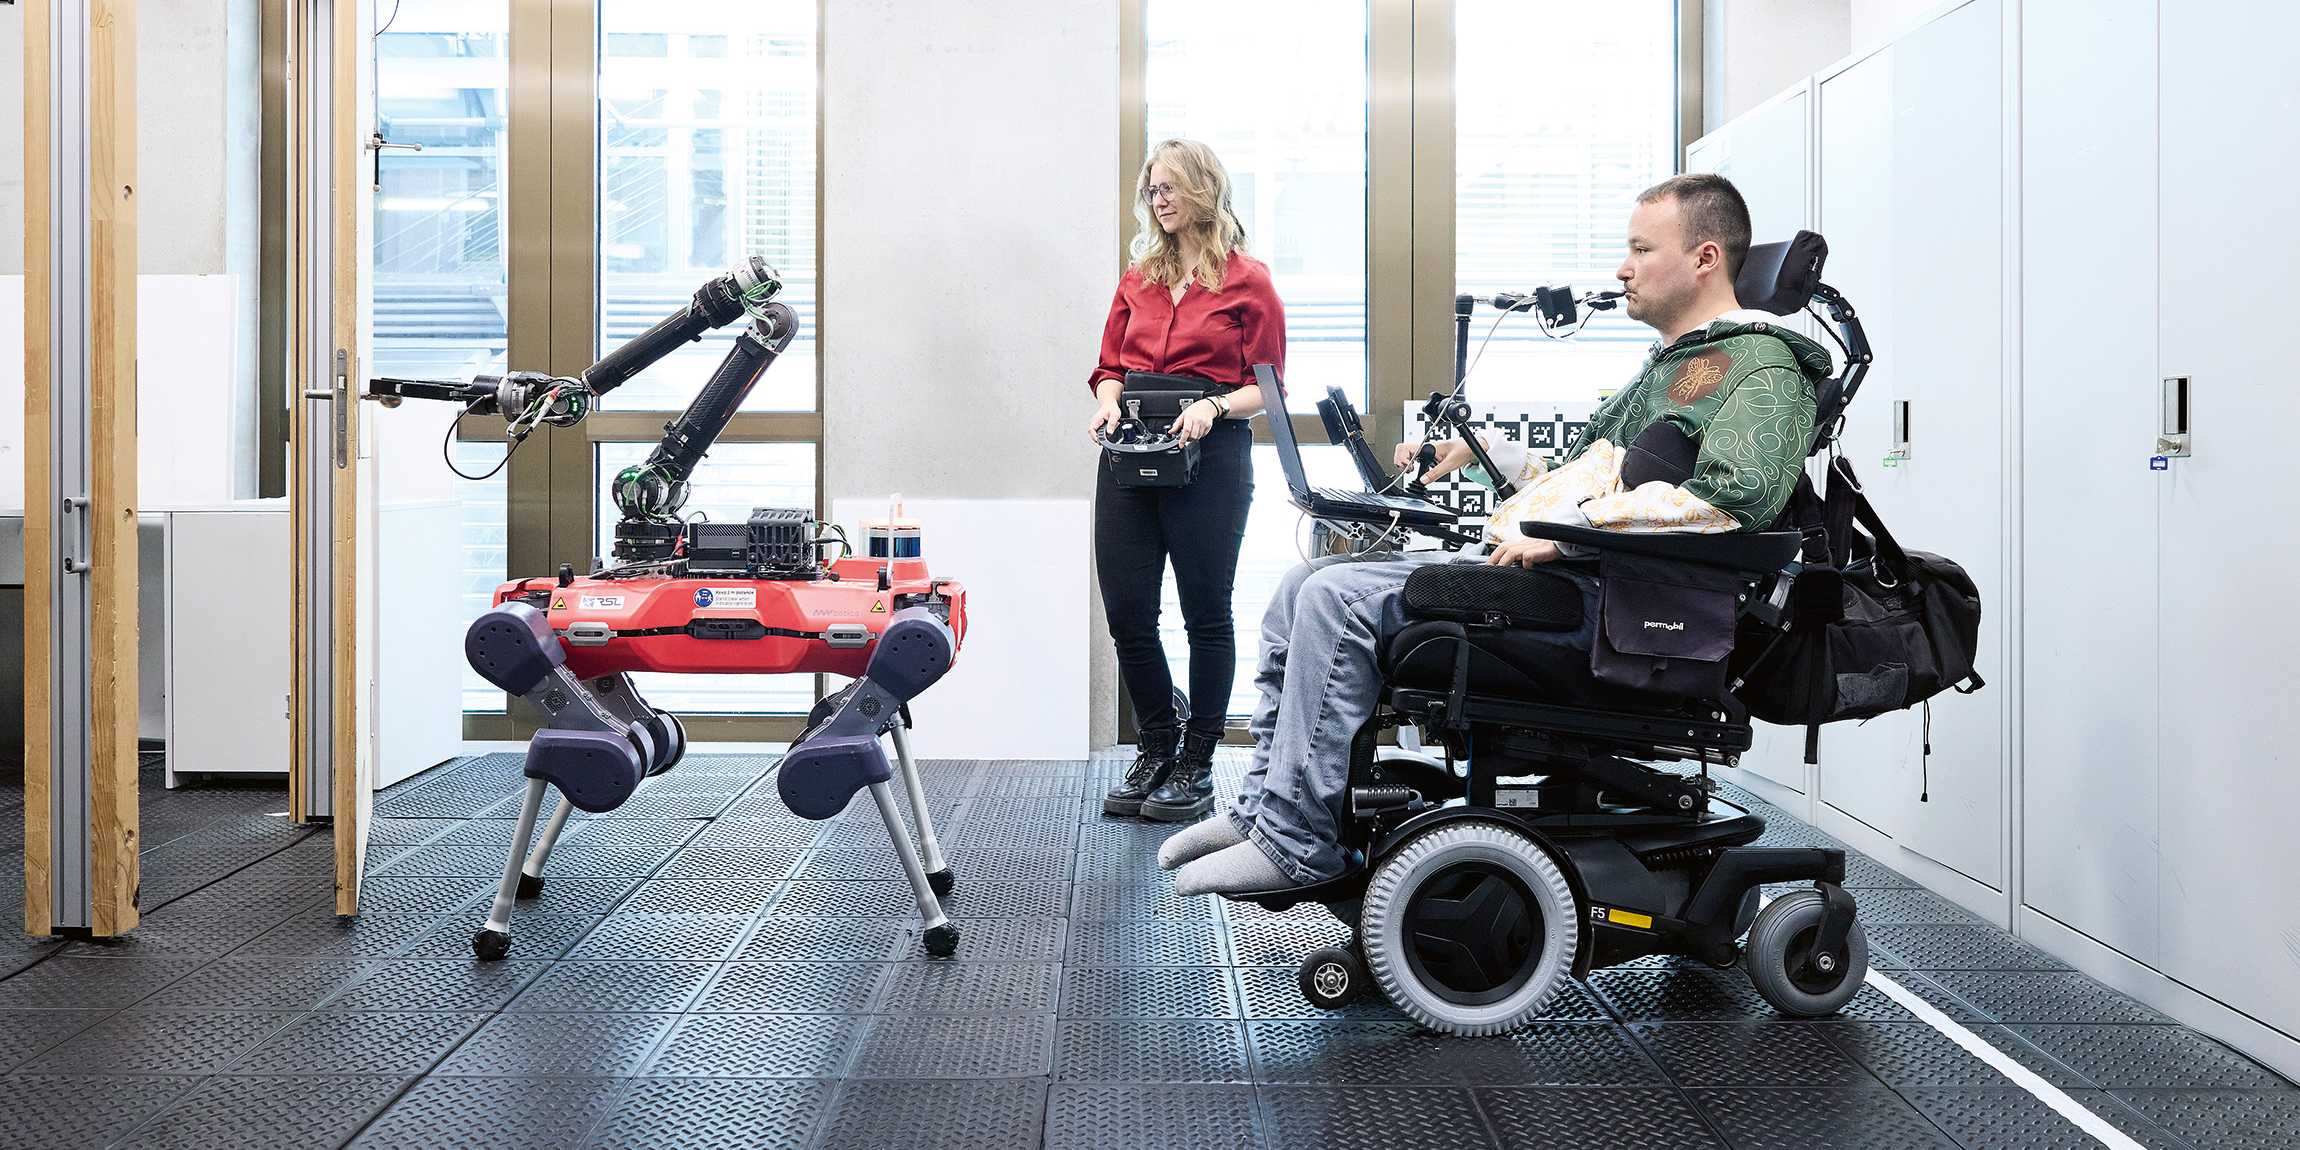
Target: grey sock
[[1200, 839], [1232, 870]]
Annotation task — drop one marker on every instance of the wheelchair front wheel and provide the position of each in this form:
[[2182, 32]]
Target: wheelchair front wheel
[[1794, 982], [1332, 977], [1468, 927]]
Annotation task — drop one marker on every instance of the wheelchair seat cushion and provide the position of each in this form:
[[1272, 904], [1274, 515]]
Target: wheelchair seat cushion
[[1520, 665], [1533, 598]]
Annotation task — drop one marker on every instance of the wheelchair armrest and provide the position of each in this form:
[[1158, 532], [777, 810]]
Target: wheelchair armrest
[[1756, 553]]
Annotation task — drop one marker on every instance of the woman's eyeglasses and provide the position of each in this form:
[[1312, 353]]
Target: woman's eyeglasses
[[1157, 192]]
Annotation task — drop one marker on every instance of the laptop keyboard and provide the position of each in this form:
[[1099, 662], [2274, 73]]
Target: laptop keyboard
[[1370, 501]]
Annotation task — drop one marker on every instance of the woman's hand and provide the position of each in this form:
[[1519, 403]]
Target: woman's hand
[[1196, 420], [1105, 418]]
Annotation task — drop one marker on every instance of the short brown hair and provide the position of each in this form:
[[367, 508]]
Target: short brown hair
[[1712, 209]]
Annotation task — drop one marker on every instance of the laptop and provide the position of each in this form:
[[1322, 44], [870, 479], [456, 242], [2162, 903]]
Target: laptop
[[1333, 502]]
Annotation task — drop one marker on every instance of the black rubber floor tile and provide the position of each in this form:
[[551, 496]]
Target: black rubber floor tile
[[176, 933], [1891, 907], [497, 833], [639, 832], [47, 1111], [973, 899], [563, 895], [2044, 996], [790, 988], [449, 860], [1148, 943], [786, 834], [634, 937], [1177, 992], [1024, 809], [1953, 947], [160, 1042], [668, 805], [2007, 1116], [533, 936], [385, 895], [1095, 902], [581, 860], [956, 1046], [983, 834], [352, 1042], [822, 939], [732, 862], [1542, 1054], [1861, 871], [1102, 864], [1275, 992], [947, 1115], [1912, 1054], [404, 831], [66, 983], [1598, 1119], [1695, 993], [2150, 1057], [1921, 983], [1097, 1116], [558, 1046], [993, 940], [318, 933], [1371, 1118], [614, 988], [1750, 1054], [939, 987], [498, 1113], [1031, 787], [845, 898], [1136, 1050], [1814, 1118], [743, 896], [436, 984], [715, 1114], [2234, 1119], [25, 1034], [756, 1046], [1284, 941], [240, 1113]]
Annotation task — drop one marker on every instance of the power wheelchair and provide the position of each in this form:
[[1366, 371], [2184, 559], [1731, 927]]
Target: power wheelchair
[[1546, 842]]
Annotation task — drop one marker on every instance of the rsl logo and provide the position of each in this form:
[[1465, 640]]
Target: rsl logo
[[702, 596]]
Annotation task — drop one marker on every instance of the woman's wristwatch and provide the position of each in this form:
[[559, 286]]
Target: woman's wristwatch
[[1221, 409]]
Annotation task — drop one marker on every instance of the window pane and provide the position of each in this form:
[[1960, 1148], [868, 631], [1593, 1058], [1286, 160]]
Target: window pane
[[734, 479], [483, 563], [707, 157], [441, 75], [1277, 537], [1278, 89], [1544, 180]]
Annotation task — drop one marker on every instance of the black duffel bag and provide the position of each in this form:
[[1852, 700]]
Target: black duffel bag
[[1873, 627]]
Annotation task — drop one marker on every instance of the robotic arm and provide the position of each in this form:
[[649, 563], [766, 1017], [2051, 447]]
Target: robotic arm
[[649, 494]]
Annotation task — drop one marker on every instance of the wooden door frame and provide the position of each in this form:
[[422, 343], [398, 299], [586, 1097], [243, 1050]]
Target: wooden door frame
[[80, 864]]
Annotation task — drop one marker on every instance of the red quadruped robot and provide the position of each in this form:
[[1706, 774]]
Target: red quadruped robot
[[695, 597]]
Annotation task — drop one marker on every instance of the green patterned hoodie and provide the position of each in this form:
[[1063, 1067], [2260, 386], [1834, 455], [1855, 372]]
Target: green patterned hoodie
[[1742, 388]]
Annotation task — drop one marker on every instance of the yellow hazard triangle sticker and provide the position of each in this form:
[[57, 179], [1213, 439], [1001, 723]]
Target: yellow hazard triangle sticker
[[559, 604], [878, 608]]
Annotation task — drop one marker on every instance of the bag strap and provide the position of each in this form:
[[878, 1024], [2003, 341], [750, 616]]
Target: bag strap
[[1853, 504]]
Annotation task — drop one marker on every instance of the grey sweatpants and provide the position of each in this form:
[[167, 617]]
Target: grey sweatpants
[[1320, 678]]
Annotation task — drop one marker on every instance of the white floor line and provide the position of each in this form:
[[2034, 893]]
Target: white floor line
[[2020, 1075]]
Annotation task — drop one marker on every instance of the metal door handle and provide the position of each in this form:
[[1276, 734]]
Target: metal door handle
[[2172, 438]]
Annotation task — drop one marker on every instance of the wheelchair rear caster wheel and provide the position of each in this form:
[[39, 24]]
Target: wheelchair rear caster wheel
[[490, 945], [1799, 984], [940, 882], [1332, 977], [530, 885], [942, 941]]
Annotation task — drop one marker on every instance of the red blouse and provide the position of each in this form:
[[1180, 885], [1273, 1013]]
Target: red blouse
[[1215, 336]]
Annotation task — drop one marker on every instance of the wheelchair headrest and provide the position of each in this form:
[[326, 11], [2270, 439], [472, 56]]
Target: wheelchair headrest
[[1780, 277]]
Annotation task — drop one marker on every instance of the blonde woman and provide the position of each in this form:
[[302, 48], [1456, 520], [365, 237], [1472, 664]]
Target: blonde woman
[[1193, 304]]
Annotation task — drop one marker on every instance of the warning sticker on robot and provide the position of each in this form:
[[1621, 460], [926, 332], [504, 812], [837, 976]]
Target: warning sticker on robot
[[727, 598], [602, 602]]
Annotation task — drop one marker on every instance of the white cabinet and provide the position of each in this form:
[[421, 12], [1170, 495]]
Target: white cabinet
[[227, 649], [2089, 537], [2227, 247]]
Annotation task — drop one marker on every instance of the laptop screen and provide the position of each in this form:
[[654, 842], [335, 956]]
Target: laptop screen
[[1282, 429]]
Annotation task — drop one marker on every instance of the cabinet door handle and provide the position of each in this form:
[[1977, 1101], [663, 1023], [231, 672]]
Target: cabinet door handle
[[2172, 434]]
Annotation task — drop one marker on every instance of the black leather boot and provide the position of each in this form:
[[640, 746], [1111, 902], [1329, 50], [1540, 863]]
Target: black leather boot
[[1188, 791], [1153, 761]]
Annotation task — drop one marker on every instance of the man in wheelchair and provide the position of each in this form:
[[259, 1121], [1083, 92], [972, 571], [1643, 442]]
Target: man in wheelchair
[[1592, 637], [1727, 387]]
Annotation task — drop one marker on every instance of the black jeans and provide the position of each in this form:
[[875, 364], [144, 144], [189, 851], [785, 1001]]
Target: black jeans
[[1136, 529]]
